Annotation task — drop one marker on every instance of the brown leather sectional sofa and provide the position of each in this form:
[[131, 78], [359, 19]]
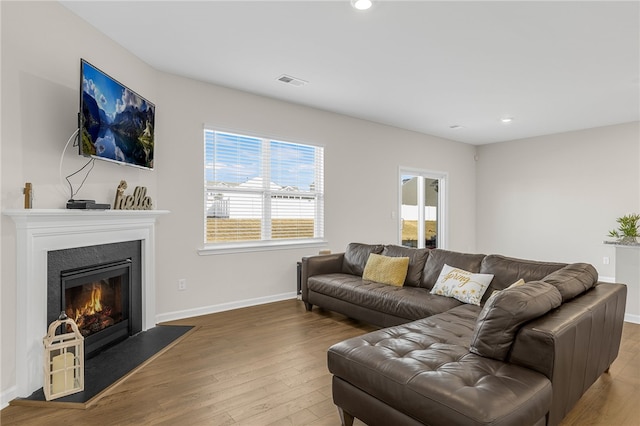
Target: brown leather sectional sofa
[[523, 357]]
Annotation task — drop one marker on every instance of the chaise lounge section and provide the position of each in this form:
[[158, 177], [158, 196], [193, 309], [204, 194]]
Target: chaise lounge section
[[523, 355]]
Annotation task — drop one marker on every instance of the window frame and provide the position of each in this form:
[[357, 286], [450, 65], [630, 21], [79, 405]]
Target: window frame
[[442, 237], [211, 248]]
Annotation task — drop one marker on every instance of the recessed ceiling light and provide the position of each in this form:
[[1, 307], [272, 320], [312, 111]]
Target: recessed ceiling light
[[506, 119], [361, 4]]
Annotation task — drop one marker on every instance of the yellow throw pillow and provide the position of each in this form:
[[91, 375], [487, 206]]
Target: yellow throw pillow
[[516, 284], [386, 269]]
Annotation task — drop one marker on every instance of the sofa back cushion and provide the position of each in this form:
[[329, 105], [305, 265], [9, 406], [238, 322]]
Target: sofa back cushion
[[505, 312], [573, 279], [437, 259], [507, 270], [417, 260], [356, 256]]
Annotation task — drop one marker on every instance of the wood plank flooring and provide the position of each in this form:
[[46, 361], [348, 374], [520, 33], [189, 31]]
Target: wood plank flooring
[[266, 365]]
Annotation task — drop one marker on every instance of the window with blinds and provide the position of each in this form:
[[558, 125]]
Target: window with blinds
[[260, 190]]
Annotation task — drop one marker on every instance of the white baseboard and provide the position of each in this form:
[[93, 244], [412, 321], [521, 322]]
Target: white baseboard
[[206, 310], [627, 317], [7, 396], [632, 318]]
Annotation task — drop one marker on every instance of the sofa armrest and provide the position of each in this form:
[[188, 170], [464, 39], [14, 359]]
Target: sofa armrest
[[573, 344], [318, 265]]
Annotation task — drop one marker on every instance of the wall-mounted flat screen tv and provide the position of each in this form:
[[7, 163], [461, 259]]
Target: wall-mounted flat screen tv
[[116, 123]]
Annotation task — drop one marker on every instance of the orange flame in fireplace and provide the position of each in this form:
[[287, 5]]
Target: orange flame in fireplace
[[91, 307], [96, 296]]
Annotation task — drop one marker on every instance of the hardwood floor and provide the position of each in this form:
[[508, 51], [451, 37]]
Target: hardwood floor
[[614, 399], [266, 365]]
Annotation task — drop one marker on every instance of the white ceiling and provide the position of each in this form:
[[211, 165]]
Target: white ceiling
[[418, 65]]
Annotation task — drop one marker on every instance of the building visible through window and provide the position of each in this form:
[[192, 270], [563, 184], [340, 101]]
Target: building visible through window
[[421, 209], [260, 189]]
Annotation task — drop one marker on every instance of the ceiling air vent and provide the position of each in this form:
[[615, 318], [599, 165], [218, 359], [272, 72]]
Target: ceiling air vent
[[291, 80]]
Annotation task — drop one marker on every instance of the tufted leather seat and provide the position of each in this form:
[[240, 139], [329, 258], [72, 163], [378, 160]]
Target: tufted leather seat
[[425, 370], [494, 364]]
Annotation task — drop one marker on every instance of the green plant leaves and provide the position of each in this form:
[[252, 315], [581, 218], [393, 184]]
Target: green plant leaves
[[628, 226]]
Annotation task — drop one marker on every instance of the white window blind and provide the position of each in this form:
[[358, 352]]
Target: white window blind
[[259, 189]]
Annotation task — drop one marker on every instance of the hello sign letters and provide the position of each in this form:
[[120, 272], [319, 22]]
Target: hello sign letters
[[137, 201]]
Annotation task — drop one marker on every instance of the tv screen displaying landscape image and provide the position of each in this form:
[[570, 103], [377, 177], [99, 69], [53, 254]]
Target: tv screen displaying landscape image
[[116, 123]]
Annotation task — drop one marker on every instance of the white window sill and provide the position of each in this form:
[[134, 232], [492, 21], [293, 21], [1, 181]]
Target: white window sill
[[255, 246]]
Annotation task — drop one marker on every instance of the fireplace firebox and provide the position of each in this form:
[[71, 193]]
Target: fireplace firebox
[[97, 298], [99, 287]]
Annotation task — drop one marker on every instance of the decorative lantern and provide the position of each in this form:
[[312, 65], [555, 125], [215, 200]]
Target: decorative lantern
[[63, 360]]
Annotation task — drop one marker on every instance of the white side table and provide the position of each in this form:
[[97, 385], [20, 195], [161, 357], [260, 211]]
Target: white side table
[[628, 272]]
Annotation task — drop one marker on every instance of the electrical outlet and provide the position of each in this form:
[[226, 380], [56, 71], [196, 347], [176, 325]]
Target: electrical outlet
[[605, 260], [182, 284]]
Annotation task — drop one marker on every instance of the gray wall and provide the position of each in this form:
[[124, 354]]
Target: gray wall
[[42, 43], [556, 197]]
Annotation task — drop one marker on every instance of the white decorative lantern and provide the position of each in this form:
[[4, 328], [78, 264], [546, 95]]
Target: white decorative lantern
[[63, 360]]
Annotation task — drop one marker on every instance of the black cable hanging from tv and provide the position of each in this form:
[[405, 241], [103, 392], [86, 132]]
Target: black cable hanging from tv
[[90, 162]]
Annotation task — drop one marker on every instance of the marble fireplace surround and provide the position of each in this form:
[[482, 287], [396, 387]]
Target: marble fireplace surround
[[40, 231]]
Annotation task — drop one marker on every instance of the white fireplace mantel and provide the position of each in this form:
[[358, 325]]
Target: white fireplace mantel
[[42, 230]]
